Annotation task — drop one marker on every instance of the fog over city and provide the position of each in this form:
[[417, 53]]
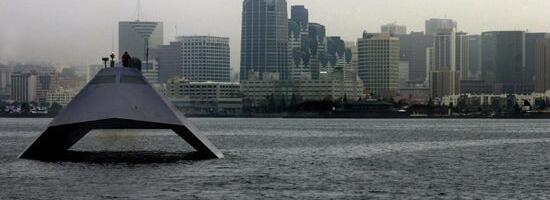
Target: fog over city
[[79, 32]]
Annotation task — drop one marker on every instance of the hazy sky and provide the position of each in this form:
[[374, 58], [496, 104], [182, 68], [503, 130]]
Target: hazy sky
[[79, 32]]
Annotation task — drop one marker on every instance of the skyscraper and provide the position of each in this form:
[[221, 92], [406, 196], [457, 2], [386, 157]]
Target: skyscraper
[[23, 87], [206, 58], [318, 49], [264, 42], [170, 61], [298, 47], [5, 81], [542, 64], [474, 58], [503, 60], [462, 54], [136, 37], [379, 63], [413, 50], [448, 57], [530, 46], [435, 25], [394, 29]]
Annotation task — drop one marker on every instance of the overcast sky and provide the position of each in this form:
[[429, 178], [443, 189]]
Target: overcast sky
[[79, 32]]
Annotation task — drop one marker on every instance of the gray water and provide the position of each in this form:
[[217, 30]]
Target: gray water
[[292, 159]]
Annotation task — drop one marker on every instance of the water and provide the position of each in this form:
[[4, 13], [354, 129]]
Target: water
[[292, 159]]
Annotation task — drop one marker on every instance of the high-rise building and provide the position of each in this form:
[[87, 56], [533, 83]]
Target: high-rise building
[[413, 50], [435, 25], [298, 46], [206, 58], [530, 47], [379, 63], [139, 37], [5, 81], [542, 63], [462, 55], [264, 42], [170, 60], [448, 57], [339, 58], [23, 87], [394, 29], [350, 72], [503, 61], [46, 82], [444, 83], [317, 48], [445, 51], [474, 58]]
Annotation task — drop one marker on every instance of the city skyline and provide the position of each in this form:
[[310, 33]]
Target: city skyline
[[90, 34]]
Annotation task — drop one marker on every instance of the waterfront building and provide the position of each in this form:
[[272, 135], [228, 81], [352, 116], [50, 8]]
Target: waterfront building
[[170, 60], [436, 25], [542, 65], [259, 91], [503, 60], [205, 97], [477, 87], [5, 81], [206, 58], [299, 49], [61, 96], [379, 63], [462, 54], [449, 56], [413, 50], [264, 38], [46, 82], [317, 48], [23, 87], [531, 40], [474, 58], [394, 29], [139, 37]]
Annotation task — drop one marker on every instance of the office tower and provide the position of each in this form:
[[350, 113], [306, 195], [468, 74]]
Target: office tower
[[542, 65], [5, 81], [444, 82], [138, 38], [474, 58], [379, 63], [298, 46], [445, 51], [434, 25], [350, 72], [462, 55], [170, 61], [318, 49], [394, 29], [264, 42], [413, 50], [206, 58], [46, 82], [23, 87], [338, 57], [530, 46], [503, 61], [448, 58]]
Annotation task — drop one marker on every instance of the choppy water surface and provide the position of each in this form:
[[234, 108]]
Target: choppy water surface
[[291, 159]]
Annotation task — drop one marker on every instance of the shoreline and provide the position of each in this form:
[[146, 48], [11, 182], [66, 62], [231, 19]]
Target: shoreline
[[331, 116]]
